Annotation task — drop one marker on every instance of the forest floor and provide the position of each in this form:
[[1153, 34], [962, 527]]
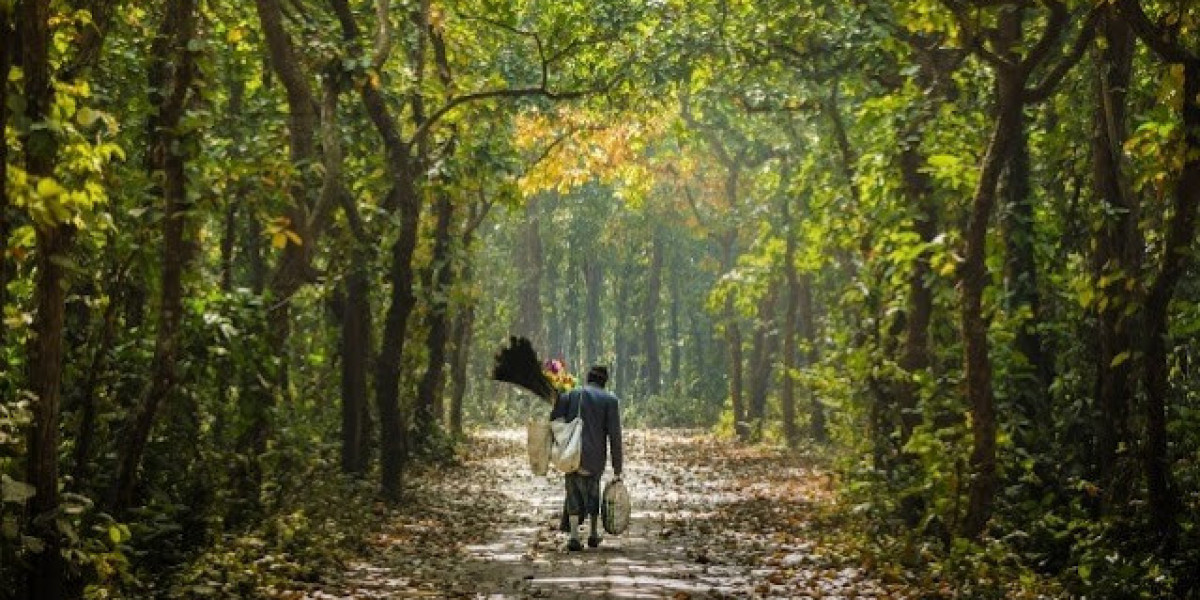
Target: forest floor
[[710, 520]]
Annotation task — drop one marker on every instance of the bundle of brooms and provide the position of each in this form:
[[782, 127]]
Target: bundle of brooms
[[519, 365]]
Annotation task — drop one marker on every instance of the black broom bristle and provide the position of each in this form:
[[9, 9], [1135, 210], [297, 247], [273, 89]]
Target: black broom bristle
[[518, 364]]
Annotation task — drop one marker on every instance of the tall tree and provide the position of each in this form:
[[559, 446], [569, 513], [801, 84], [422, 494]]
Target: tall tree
[[1165, 39], [1013, 89], [172, 74], [47, 572], [652, 367], [1117, 260]]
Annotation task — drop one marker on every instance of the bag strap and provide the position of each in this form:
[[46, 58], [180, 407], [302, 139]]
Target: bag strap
[[579, 408]]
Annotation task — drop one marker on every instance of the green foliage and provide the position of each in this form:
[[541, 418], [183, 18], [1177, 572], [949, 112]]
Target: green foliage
[[616, 172]]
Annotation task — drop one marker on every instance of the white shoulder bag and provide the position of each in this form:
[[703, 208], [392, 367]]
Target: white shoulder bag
[[567, 446]]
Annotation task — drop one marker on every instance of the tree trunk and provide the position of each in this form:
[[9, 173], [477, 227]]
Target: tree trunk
[[172, 73], [675, 357], [355, 353], [393, 434], [229, 233], [1029, 387], [430, 409], [529, 321], [652, 367], [733, 343], [463, 332], [87, 396], [593, 277], [808, 332], [914, 356], [47, 569], [623, 375], [304, 217], [1164, 500], [551, 302], [7, 40], [762, 358], [1118, 256], [973, 275], [787, 398]]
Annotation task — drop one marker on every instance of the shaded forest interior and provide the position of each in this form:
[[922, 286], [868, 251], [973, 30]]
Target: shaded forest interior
[[255, 258]]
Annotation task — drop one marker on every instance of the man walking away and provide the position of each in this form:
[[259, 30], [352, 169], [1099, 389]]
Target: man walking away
[[601, 414]]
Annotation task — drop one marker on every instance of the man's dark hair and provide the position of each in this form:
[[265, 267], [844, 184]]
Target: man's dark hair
[[598, 375]]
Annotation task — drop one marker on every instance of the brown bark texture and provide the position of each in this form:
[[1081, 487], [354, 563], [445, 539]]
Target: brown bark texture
[[47, 572]]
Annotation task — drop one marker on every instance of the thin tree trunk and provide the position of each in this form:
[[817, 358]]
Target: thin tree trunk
[[551, 301], [172, 73], [1118, 257], [973, 275], [733, 344], [652, 368], [623, 372], [593, 277], [787, 399], [1030, 385], [305, 218], [762, 358], [7, 40], [463, 332], [1181, 229], [430, 409], [808, 332], [675, 357], [914, 356], [229, 233], [529, 319], [463, 329], [87, 419], [1181, 233]]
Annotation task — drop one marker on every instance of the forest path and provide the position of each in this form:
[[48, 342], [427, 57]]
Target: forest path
[[710, 520]]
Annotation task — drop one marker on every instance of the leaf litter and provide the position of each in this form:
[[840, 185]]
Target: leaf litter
[[711, 519]]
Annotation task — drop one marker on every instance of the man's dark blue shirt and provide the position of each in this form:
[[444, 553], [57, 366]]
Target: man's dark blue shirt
[[601, 413]]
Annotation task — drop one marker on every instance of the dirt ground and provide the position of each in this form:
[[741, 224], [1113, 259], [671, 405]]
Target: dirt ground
[[710, 520]]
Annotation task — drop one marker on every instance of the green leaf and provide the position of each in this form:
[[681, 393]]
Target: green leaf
[[15, 492], [86, 116], [47, 187], [1119, 359], [114, 534], [944, 161]]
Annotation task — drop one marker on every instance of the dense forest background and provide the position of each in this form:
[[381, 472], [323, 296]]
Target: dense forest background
[[255, 258]]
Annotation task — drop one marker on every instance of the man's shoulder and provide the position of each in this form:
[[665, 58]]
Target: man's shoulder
[[603, 395]]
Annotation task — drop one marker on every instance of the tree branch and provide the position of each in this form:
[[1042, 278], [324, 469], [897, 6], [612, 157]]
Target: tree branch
[[457, 101], [970, 37], [1053, 77], [91, 41], [1059, 16], [477, 215], [1159, 39], [373, 101], [383, 36]]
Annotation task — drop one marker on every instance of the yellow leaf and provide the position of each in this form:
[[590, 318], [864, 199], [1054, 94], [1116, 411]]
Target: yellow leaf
[[279, 240], [48, 188], [294, 237]]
